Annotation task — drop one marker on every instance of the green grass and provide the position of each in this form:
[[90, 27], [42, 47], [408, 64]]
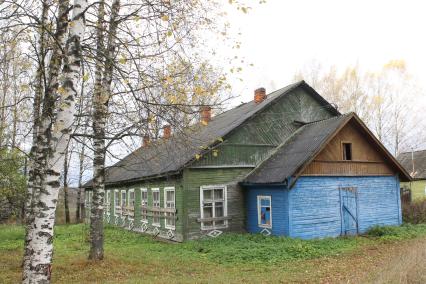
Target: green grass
[[130, 257]]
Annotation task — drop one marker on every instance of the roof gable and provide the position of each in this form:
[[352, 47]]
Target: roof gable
[[293, 156]]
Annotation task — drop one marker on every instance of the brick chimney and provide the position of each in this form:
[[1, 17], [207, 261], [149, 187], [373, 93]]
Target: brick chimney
[[146, 141], [205, 114], [259, 95], [167, 131]]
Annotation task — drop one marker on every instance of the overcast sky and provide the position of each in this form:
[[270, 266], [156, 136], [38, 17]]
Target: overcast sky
[[280, 37]]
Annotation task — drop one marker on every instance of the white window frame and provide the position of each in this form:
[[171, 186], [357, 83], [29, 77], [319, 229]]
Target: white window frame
[[259, 210], [131, 207], [159, 206], [107, 200], [144, 203], [117, 203], [225, 206], [132, 190], [89, 198], [167, 189], [121, 198]]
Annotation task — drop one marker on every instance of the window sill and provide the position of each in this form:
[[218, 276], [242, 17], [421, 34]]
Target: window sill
[[156, 225], [264, 226], [170, 228]]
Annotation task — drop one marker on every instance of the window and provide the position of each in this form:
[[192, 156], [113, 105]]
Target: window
[[107, 199], [89, 198], [264, 211], [123, 198], [116, 198], [213, 206], [144, 203], [117, 208], [347, 151], [169, 203], [131, 203], [132, 198], [156, 205]]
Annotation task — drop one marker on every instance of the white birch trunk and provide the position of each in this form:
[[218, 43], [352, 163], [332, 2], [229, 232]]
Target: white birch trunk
[[101, 99], [41, 243]]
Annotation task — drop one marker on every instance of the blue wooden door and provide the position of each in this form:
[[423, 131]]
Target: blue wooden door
[[348, 200]]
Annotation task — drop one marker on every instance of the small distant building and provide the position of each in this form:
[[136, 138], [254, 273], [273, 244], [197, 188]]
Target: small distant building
[[415, 163], [287, 163]]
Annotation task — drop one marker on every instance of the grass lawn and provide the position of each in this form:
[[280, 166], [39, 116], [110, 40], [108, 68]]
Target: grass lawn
[[134, 258]]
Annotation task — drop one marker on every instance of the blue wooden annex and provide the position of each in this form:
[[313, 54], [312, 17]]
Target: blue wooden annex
[[332, 178]]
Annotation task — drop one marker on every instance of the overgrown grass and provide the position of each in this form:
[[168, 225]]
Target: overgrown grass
[[131, 255], [414, 212]]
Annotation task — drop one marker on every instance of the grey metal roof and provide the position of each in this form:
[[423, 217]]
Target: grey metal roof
[[166, 157], [293, 153], [416, 159]]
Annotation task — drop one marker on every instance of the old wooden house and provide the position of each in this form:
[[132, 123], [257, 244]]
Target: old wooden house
[[286, 163], [415, 163]]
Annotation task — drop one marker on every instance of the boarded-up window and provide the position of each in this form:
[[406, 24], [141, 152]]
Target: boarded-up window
[[156, 204], [264, 211], [169, 203]]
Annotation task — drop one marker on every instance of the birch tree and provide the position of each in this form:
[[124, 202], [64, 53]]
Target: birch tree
[[54, 134]]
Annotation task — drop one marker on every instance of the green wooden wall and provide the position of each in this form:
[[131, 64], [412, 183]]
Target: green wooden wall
[[417, 188], [251, 143], [161, 184], [194, 179]]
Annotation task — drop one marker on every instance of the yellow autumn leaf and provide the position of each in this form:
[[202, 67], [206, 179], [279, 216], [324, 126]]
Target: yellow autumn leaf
[[197, 157], [220, 139], [215, 153], [85, 77], [165, 18], [122, 60], [198, 90], [61, 90], [205, 123], [169, 33]]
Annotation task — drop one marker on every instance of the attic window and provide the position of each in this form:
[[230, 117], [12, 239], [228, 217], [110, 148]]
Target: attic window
[[347, 151]]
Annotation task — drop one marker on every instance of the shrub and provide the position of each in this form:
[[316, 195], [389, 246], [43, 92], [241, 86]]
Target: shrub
[[414, 212]]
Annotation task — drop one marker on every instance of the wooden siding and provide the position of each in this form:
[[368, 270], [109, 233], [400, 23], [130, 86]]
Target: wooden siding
[[279, 208], [366, 159], [251, 143], [315, 205], [161, 184], [194, 179]]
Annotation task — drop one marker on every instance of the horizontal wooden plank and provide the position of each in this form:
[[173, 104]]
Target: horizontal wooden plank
[[214, 219]]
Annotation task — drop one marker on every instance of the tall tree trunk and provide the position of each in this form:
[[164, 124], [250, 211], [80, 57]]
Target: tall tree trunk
[[66, 201], [32, 179], [80, 213], [96, 221], [101, 97], [55, 139]]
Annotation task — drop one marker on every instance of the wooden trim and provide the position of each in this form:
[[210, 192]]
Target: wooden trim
[[224, 218], [351, 161], [345, 175], [159, 209]]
